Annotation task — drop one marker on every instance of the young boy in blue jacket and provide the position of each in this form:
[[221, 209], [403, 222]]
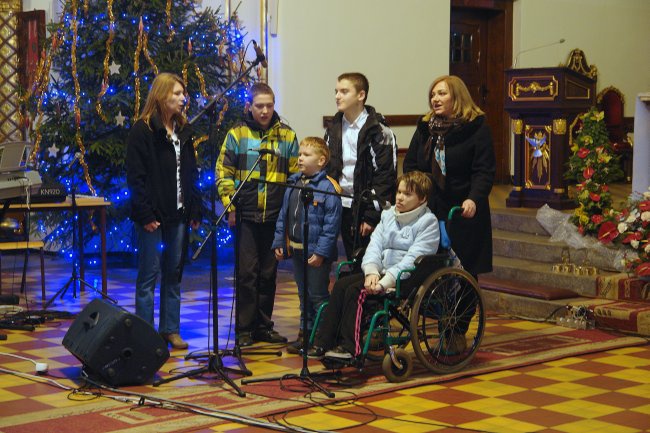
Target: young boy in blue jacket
[[324, 215], [406, 231]]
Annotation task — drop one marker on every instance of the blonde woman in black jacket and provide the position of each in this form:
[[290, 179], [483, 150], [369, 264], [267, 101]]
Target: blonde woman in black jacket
[[453, 143], [162, 176]]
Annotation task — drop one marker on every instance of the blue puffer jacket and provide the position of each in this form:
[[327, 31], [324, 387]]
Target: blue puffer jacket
[[398, 240], [324, 217]]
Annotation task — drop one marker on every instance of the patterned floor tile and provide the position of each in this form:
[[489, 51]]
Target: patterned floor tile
[[600, 392]]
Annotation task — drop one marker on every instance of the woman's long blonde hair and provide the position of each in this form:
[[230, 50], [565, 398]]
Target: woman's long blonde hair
[[463, 106], [161, 88]]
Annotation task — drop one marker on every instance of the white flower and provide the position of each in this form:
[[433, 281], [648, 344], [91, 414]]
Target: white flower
[[634, 244], [647, 248], [646, 194], [645, 216], [631, 218], [622, 227]]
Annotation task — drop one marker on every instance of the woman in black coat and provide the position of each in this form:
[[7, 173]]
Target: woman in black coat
[[161, 173], [453, 143]]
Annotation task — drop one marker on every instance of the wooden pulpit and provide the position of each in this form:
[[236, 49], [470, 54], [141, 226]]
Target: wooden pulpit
[[544, 105]]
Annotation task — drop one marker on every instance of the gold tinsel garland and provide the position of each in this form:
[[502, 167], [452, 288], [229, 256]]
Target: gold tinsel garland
[[168, 14], [136, 68], [107, 57], [77, 97], [41, 82], [141, 48]]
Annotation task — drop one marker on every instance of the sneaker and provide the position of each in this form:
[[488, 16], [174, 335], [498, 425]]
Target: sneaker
[[338, 352], [245, 339], [268, 336], [175, 341], [316, 352]]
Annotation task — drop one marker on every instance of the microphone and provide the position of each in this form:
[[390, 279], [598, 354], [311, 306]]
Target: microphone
[[275, 152], [261, 58], [77, 155], [561, 41]]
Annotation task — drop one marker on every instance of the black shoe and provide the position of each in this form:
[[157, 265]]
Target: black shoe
[[454, 344], [268, 336], [316, 352], [294, 347], [245, 339], [338, 352]]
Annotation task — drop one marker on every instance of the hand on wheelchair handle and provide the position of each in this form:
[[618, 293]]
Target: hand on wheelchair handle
[[469, 208]]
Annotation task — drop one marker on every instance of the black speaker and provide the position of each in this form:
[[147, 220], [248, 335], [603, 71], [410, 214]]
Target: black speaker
[[119, 347]]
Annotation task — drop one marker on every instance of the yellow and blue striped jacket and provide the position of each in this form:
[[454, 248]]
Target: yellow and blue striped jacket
[[257, 201]]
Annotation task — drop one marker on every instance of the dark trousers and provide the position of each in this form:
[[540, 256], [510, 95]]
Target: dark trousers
[[466, 303], [256, 277], [337, 324], [348, 228]]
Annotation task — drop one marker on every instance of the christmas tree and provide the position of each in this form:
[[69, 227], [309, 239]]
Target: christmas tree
[[92, 81]]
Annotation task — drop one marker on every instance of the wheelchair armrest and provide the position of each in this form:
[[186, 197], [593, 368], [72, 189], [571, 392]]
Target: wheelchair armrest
[[425, 265], [431, 261], [398, 292], [352, 265], [341, 267]]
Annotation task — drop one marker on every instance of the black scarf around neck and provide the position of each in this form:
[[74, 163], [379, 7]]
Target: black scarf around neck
[[439, 127]]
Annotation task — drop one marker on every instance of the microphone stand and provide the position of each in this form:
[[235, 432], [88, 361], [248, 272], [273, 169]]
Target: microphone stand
[[214, 358], [305, 376]]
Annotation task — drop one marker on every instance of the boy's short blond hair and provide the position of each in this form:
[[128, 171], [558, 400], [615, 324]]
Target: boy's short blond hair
[[319, 146], [418, 182]]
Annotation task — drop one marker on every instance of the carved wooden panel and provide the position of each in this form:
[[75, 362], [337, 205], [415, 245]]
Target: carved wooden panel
[[10, 120]]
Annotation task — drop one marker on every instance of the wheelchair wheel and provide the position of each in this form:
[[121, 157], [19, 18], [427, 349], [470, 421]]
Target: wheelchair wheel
[[447, 320], [395, 373]]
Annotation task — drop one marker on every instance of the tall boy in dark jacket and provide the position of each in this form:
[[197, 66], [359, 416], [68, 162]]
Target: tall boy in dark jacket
[[363, 159]]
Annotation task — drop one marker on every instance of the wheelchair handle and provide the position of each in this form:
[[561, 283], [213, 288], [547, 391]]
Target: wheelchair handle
[[452, 211]]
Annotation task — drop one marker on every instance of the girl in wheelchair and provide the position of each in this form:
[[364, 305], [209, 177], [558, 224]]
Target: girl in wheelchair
[[406, 231]]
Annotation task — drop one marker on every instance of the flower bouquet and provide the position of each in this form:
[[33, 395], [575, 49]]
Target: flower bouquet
[[593, 166]]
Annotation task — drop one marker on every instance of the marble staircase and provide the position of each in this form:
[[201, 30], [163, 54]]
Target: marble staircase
[[524, 282]]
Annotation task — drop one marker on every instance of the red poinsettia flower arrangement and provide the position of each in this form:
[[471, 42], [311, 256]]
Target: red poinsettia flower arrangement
[[594, 165]]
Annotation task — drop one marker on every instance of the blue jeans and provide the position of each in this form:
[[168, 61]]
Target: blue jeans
[[318, 280], [160, 253]]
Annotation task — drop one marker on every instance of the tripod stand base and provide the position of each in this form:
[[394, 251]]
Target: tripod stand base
[[236, 353], [305, 377], [73, 280], [214, 366]]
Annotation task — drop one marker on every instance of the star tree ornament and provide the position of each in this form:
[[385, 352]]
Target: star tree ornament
[[114, 68], [119, 119], [53, 151]]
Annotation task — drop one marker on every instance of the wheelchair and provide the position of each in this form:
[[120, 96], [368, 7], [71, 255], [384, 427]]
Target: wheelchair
[[442, 318]]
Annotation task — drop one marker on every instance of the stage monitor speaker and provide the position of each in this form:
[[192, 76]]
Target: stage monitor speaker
[[119, 347]]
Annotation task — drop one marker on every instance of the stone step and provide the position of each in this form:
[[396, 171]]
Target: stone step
[[526, 245], [526, 307], [518, 220], [628, 316], [541, 249], [528, 271]]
